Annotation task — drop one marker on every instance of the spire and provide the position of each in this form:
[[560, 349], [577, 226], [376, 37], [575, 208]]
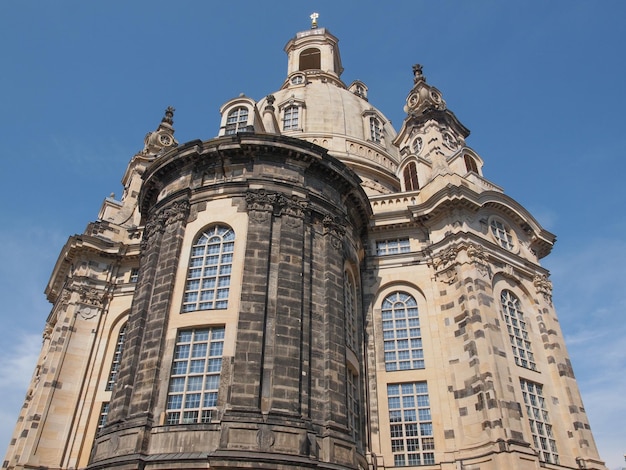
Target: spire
[[163, 137], [423, 97]]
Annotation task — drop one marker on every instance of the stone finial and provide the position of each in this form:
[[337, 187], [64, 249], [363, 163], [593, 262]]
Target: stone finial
[[417, 73], [169, 115]]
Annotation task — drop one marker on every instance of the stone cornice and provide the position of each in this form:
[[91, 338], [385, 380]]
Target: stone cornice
[[78, 245]]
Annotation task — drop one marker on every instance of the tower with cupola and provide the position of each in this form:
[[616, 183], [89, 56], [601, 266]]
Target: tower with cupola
[[308, 289]]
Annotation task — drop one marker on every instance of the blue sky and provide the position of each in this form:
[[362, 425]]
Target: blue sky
[[539, 83]]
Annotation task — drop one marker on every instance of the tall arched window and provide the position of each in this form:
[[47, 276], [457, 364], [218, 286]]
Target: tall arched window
[[117, 358], [237, 120], [410, 177], [349, 300], [210, 265], [470, 164], [516, 327], [401, 333]]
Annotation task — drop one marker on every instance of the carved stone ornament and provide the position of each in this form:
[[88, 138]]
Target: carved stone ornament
[[47, 332], [335, 229], [478, 256], [91, 296], [445, 265], [166, 217], [543, 286], [277, 203], [87, 312]]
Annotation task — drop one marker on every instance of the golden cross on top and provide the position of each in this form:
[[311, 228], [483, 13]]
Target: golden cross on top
[[314, 16]]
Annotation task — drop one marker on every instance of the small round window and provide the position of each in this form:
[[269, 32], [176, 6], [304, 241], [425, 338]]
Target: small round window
[[502, 233], [297, 80]]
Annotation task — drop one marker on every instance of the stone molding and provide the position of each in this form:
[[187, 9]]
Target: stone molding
[[158, 223]]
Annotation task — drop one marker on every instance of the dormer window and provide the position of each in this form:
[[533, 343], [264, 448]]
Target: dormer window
[[470, 164], [291, 116], [375, 130], [237, 120], [359, 89], [310, 59]]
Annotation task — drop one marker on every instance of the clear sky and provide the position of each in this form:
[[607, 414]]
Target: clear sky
[[539, 83]]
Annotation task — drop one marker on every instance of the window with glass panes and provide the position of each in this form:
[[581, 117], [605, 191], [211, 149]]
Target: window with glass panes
[[516, 327], [375, 130], [117, 357], [411, 426], [195, 378], [402, 334], [391, 247], [354, 405], [104, 412], [349, 299], [502, 233], [210, 266], [236, 120], [539, 420], [290, 118]]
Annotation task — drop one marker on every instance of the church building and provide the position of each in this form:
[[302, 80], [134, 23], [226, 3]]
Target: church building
[[310, 289]]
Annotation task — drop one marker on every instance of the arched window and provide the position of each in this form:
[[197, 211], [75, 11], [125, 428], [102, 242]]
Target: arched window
[[349, 300], [410, 177], [470, 164], [237, 120], [516, 327], [310, 59], [210, 265], [117, 358], [401, 333], [291, 117], [502, 233], [195, 378], [375, 130]]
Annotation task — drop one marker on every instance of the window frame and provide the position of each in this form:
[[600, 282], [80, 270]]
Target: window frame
[[239, 121], [116, 362], [411, 432], [411, 179], [289, 122], [195, 375], [519, 337], [393, 246], [403, 347], [209, 269], [538, 416], [503, 234], [351, 311]]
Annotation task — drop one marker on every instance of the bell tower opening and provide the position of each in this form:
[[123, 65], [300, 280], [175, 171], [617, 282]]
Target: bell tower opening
[[310, 59]]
